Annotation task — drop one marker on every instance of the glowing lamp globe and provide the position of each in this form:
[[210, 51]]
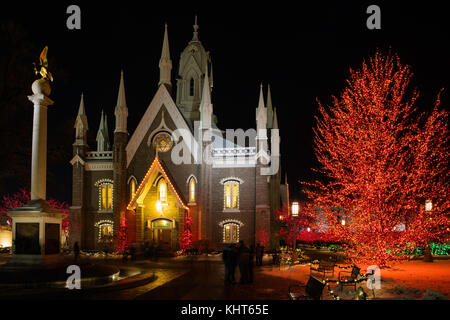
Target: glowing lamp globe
[[428, 205], [294, 209]]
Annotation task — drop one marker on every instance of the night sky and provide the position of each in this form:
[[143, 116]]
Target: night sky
[[304, 52]]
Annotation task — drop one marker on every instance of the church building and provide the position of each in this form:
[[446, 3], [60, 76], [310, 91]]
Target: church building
[[176, 164]]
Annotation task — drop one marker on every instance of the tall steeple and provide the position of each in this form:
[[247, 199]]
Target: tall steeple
[[206, 109], [269, 109], [165, 64], [121, 111], [102, 135], [195, 61], [81, 124]]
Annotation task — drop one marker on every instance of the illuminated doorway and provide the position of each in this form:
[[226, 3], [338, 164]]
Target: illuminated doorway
[[162, 232]]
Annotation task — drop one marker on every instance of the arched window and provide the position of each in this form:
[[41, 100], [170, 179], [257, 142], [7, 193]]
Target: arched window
[[191, 87], [231, 232], [231, 194], [192, 190], [162, 191], [106, 231], [106, 196], [132, 188]]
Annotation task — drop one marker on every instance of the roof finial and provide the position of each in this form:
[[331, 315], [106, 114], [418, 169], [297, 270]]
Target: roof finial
[[196, 27]]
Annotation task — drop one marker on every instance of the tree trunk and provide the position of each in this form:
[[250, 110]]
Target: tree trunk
[[427, 257]]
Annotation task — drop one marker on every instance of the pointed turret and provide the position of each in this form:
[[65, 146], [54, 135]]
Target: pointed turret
[[275, 119], [269, 109], [81, 124], [102, 134], [121, 111], [196, 27], [261, 112], [206, 105], [165, 64]]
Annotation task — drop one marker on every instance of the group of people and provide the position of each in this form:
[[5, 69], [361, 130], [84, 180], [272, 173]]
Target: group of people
[[243, 257]]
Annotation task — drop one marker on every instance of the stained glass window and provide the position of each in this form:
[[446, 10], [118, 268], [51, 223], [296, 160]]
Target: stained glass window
[[162, 142]]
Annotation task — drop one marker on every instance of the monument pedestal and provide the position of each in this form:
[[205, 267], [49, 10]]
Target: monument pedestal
[[36, 235]]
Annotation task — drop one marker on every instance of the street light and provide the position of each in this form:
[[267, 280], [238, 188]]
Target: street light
[[294, 212], [343, 222]]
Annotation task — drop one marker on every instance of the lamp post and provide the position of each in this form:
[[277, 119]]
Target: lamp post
[[294, 212], [427, 257]]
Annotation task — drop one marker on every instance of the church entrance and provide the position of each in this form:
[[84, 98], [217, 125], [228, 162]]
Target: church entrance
[[162, 233]]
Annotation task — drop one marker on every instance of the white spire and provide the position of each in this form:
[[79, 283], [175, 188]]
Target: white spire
[[121, 111], [261, 123], [102, 134], [206, 105], [165, 64], [81, 124], [269, 109], [261, 112]]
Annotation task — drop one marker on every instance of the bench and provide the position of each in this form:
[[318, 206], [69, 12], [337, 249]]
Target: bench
[[323, 267], [347, 278], [311, 291]]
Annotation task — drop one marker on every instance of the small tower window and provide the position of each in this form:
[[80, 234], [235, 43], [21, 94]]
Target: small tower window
[[191, 87], [192, 190]]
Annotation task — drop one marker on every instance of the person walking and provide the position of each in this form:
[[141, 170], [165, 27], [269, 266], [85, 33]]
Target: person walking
[[226, 255], [243, 259], [258, 252], [76, 251], [250, 264], [233, 262]]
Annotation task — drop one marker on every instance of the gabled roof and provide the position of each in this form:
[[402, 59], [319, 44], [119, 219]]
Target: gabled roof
[[157, 167], [162, 97]]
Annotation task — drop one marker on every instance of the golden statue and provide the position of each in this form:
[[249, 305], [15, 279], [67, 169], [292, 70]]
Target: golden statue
[[44, 65]]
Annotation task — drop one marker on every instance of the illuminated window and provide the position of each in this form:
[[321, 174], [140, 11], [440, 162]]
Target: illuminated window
[[106, 231], [162, 188], [192, 190], [162, 142], [231, 195], [191, 87], [106, 196], [132, 188], [231, 232]]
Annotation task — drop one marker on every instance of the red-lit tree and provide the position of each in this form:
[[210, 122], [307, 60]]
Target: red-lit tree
[[186, 237], [22, 197], [380, 162], [122, 238]]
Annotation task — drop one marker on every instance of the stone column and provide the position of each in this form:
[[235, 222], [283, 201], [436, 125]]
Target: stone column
[[41, 90]]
